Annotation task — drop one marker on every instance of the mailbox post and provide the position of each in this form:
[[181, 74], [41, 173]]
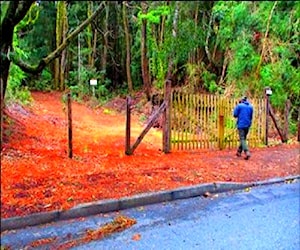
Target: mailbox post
[[93, 83], [268, 93]]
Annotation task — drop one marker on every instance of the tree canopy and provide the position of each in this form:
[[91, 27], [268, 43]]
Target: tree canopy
[[232, 48]]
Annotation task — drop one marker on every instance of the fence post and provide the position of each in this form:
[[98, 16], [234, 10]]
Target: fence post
[[167, 118], [127, 137], [158, 112], [267, 98], [70, 141], [221, 124]]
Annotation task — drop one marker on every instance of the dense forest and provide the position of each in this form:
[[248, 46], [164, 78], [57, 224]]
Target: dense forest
[[232, 48]]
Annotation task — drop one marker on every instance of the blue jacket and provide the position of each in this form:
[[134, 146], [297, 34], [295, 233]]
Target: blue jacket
[[244, 113]]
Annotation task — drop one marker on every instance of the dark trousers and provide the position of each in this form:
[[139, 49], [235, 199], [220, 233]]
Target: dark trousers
[[243, 132]]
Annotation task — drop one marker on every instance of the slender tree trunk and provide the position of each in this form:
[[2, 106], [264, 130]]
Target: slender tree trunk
[[64, 54], [265, 41], [58, 42], [90, 32], [196, 16], [145, 63], [207, 39], [79, 59], [61, 33], [162, 30], [105, 40], [94, 48], [225, 62], [174, 33], [128, 55]]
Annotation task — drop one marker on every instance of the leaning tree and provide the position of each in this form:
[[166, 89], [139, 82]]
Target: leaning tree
[[15, 12]]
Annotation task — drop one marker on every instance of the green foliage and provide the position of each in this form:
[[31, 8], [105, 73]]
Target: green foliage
[[27, 26], [225, 28], [200, 77], [43, 82], [237, 22], [15, 91], [284, 81], [210, 81], [82, 87], [245, 60], [135, 65], [142, 118], [154, 15]]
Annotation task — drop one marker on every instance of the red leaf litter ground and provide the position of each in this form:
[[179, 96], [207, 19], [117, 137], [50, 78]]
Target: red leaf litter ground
[[37, 175]]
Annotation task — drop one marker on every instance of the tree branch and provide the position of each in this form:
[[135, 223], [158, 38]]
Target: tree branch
[[34, 69], [265, 40], [207, 39], [22, 10]]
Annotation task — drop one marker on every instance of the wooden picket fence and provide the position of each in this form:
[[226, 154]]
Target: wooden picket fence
[[207, 122]]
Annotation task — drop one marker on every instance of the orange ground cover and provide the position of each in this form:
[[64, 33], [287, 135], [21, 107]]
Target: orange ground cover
[[37, 175]]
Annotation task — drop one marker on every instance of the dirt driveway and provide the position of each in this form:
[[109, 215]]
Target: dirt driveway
[[37, 175]]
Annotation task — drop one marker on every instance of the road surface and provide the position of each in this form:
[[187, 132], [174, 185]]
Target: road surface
[[265, 217]]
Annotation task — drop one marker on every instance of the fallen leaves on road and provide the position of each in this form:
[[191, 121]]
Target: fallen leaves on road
[[136, 237], [42, 242], [117, 225]]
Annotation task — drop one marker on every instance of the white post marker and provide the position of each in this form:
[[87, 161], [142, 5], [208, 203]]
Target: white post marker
[[268, 91], [93, 83]]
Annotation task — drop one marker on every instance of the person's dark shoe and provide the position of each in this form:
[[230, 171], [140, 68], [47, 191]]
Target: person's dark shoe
[[248, 155], [238, 154]]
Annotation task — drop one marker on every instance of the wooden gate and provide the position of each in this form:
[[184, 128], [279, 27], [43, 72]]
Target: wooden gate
[[207, 122]]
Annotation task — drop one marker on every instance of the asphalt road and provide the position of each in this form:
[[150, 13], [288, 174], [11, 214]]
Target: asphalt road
[[265, 217]]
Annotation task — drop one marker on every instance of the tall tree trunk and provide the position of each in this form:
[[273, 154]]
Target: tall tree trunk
[[144, 62], [128, 55], [15, 12], [61, 32], [105, 41], [79, 59], [89, 36], [58, 42], [162, 29], [64, 54], [207, 39], [174, 33], [94, 52]]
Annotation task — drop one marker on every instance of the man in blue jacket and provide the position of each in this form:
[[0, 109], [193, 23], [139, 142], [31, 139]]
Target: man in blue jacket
[[244, 113]]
